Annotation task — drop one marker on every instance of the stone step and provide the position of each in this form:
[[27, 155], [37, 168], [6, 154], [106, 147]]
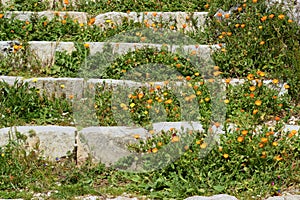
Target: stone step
[[66, 87], [44, 51], [105, 144], [179, 20]]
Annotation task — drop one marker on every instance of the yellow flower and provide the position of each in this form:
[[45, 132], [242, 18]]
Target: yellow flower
[[132, 105], [198, 142], [62, 86], [136, 136], [260, 27], [159, 144], [169, 101], [220, 149], [226, 101], [258, 102], [207, 99], [290, 21], [197, 74], [281, 16], [175, 139], [262, 43], [34, 80], [225, 155], [227, 80], [252, 88], [275, 144], [86, 45], [275, 81], [203, 146], [278, 158], [198, 93], [263, 154], [2, 155], [81, 24], [286, 86]]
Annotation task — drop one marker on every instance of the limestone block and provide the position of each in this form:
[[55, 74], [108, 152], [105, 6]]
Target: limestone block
[[52, 141]]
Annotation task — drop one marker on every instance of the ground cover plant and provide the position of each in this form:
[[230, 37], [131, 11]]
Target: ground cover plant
[[253, 160], [100, 6]]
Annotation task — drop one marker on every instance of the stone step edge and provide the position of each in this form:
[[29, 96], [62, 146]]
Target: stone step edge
[[75, 87], [56, 141], [44, 51], [109, 18]]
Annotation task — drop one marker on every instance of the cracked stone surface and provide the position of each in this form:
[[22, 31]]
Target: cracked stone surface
[[53, 141]]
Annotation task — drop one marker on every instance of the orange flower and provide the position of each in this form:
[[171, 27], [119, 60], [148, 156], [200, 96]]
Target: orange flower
[[281, 16], [64, 21], [86, 45], [154, 150], [188, 78], [271, 16], [264, 18], [258, 102], [255, 111], [243, 25], [169, 101], [250, 77], [290, 21], [261, 145], [264, 140], [66, 2], [254, 1], [227, 16], [206, 6], [251, 95], [262, 43], [244, 132], [45, 23], [286, 86], [240, 9], [219, 14], [237, 25], [1, 16], [278, 158], [140, 95], [225, 155], [292, 133], [240, 139], [92, 21], [229, 33], [154, 14], [184, 26], [269, 133], [227, 81], [175, 58], [277, 118], [263, 154]]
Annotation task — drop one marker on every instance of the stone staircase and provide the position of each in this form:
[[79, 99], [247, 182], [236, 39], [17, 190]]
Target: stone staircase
[[104, 144]]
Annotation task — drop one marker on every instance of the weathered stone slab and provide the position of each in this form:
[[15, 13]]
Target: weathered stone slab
[[215, 197], [109, 144], [80, 17], [59, 87], [286, 197], [52, 141]]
